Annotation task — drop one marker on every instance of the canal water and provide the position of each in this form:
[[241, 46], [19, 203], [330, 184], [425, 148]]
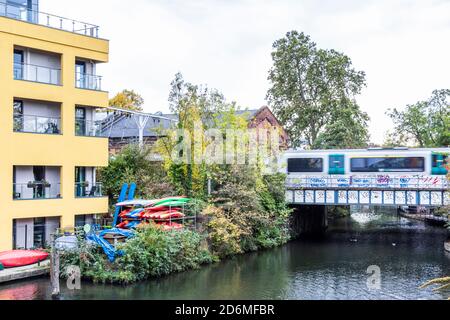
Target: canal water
[[407, 253]]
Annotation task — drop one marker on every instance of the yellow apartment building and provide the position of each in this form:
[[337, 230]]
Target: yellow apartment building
[[50, 143]]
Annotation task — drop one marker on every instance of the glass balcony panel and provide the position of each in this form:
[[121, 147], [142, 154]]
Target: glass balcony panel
[[37, 124], [88, 81], [35, 73], [36, 190], [87, 128], [87, 190]]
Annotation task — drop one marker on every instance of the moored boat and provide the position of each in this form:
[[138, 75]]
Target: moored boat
[[20, 258]]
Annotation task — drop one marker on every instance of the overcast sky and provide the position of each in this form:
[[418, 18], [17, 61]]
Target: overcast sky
[[402, 45]]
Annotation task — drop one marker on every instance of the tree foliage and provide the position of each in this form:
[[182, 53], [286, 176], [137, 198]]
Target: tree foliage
[[424, 123], [128, 100], [198, 109], [247, 212], [134, 164], [312, 93]]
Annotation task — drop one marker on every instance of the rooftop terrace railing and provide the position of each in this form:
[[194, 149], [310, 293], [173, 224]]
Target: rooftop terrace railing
[[24, 13]]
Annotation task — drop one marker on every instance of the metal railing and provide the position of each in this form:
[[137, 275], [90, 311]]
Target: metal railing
[[88, 128], [36, 190], [35, 73], [88, 81], [88, 190], [37, 124], [24, 13], [381, 182]]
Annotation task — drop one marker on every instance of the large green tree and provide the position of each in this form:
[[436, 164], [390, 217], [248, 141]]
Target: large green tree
[[313, 94], [424, 123]]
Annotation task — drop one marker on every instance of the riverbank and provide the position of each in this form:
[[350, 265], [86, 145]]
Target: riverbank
[[26, 272], [332, 268], [428, 218], [153, 252]]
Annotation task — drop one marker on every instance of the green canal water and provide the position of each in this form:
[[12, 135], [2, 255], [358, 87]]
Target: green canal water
[[407, 252]]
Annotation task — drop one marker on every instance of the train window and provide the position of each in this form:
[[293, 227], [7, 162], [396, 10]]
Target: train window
[[305, 165], [391, 164]]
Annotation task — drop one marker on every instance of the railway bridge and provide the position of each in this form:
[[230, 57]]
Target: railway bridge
[[380, 190]]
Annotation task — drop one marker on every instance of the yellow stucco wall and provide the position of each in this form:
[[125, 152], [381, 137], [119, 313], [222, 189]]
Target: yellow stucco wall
[[66, 150]]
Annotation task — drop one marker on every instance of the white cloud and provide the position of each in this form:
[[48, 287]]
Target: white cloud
[[403, 45]]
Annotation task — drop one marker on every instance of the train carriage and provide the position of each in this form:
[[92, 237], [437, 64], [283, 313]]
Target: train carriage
[[367, 168]]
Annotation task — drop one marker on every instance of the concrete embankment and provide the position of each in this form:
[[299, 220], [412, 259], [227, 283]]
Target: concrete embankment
[[31, 271]]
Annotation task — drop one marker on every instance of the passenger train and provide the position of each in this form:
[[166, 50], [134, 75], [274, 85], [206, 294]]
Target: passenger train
[[367, 162]]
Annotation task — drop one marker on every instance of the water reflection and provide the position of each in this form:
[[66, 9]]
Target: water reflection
[[407, 252]]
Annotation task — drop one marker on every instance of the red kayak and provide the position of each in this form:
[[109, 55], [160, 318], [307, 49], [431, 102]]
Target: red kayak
[[20, 258], [162, 215], [170, 226]]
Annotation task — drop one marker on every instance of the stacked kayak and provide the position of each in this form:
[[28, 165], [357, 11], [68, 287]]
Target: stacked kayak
[[20, 258], [164, 212]]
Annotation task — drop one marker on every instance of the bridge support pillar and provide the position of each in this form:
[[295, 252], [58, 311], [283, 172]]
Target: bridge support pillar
[[309, 220]]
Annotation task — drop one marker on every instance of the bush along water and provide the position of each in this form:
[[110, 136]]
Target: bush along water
[[152, 252], [245, 212]]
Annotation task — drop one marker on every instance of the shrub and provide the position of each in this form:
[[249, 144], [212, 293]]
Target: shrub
[[151, 253], [247, 212]]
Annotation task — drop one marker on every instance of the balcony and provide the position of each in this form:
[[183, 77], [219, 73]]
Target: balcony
[[37, 66], [36, 117], [36, 183], [37, 124], [87, 128], [36, 73], [87, 190], [88, 81], [86, 123], [85, 183], [28, 12]]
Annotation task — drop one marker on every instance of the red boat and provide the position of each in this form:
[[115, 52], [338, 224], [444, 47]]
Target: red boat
[[170, 226], [20, 258], [162, 215]]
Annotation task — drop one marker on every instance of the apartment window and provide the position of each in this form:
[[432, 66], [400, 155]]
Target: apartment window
[[18, 115], [80, 221], [39, 233], [80, 74], [80, 178], [18, 64], [80, 121]]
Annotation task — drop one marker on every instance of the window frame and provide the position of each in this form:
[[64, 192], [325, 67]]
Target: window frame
[[386, 170], [320, 160]]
